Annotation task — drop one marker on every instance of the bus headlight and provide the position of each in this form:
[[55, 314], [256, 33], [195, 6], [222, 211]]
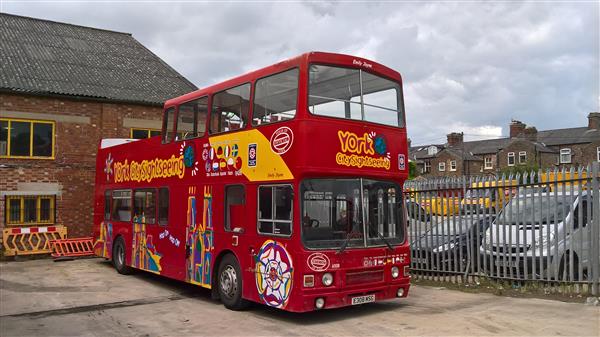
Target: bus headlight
[[319, 303], [395, 272], [327, 279]]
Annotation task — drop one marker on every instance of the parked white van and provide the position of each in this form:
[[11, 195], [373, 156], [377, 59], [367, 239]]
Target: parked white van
[[544, 235]]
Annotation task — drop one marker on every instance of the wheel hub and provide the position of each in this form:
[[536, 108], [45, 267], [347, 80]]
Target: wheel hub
[[228, 281]]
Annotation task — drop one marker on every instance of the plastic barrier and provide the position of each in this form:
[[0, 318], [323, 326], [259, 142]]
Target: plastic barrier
[[72, 247], [31, 240]]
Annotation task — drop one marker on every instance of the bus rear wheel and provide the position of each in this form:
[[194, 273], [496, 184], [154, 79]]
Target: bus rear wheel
[[119, 257], [230, 284]]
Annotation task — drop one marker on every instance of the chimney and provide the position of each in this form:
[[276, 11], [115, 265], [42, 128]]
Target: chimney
[[594, 120], [530, 133], [516, 128], [409, 142], [455, 139]]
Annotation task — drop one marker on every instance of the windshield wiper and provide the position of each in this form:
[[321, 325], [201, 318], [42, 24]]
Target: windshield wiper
[[345, 244], [386, 241]]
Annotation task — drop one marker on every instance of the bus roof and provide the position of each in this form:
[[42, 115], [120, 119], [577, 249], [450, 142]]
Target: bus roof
[[318, 57]]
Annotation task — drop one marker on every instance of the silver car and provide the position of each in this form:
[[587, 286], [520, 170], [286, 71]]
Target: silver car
[[545, 235]]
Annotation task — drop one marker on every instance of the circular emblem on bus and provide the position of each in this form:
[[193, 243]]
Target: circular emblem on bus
[[282, 140], [274, 274], [318, 262]]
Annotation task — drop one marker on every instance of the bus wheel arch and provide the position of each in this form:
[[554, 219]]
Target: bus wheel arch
[[228, 281], [119, 256]]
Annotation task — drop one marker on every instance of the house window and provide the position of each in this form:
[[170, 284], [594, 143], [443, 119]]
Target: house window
[[565, 156], [426, 167], [598, 153], [442, 166], [137, 133], [230, 109], [511, 159], [522, 157], [488, 165], [275, 209], [432, 150], [26, 139], [453, 165], [30, 209]]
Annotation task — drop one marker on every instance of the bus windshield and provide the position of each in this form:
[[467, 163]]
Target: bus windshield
[[333, 213], [354, 94]]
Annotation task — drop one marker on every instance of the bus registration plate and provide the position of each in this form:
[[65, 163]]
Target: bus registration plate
[[363, 299]]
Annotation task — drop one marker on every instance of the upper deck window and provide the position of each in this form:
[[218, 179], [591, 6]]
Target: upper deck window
[[191, 119], [354, 94], [168, 125], [230, 109], [275, 98]]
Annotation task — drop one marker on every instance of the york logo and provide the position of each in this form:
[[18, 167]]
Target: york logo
[[351, 142]]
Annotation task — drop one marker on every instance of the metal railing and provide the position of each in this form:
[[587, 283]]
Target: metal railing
[[541, 226]]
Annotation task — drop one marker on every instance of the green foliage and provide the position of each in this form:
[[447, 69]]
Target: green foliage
[[520, 168], [412, 170]]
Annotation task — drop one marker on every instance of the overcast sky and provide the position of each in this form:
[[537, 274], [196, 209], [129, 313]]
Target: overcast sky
[[467, 66]]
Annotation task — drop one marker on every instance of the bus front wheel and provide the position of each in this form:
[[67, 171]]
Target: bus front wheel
[[230, 283], [119, 257]]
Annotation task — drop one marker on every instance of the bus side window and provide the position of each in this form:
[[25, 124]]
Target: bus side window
[[230, 109], [168, 122], [144, 206], [107, 200], [275, 210], [191, 119], [163, 206], [275, 98], [121, 205], [235, 199]]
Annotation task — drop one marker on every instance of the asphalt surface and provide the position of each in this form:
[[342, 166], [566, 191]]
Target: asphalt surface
[[88, 298]]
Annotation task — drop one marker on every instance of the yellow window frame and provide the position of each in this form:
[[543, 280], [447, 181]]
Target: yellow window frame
[[38, 206], [31, 123]]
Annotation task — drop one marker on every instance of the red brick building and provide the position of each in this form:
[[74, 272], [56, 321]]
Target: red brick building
[[63, 88], [526, 147]]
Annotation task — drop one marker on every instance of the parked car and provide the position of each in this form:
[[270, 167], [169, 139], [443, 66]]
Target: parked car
[[547, 234], [449, 243]]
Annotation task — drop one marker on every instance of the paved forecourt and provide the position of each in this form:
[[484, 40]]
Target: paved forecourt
[[88, 298]]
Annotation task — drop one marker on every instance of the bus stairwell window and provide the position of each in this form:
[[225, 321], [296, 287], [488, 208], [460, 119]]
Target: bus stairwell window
[[163, 206]]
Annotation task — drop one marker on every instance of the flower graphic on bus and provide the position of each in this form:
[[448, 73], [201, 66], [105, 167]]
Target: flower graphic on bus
[[189, 157], [274, 274], [108, 166]]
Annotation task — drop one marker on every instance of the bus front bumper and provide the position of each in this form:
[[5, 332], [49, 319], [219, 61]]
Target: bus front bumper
[[336, 298]]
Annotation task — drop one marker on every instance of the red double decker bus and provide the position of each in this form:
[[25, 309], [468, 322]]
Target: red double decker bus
[[282, 186]]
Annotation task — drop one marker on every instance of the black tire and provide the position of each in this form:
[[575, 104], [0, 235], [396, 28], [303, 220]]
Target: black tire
[[564, 270], [119, 257], [229, 284]]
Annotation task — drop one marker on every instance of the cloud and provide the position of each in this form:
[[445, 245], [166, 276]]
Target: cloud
[[467, 67]]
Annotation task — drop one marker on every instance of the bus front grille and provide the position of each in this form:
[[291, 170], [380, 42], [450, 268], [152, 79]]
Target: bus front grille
[[362, 277]]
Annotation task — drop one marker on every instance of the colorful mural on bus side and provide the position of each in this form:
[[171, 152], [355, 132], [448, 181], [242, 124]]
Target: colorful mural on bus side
[[199, 240], [274, 274], [103, 245], [143, 252]]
